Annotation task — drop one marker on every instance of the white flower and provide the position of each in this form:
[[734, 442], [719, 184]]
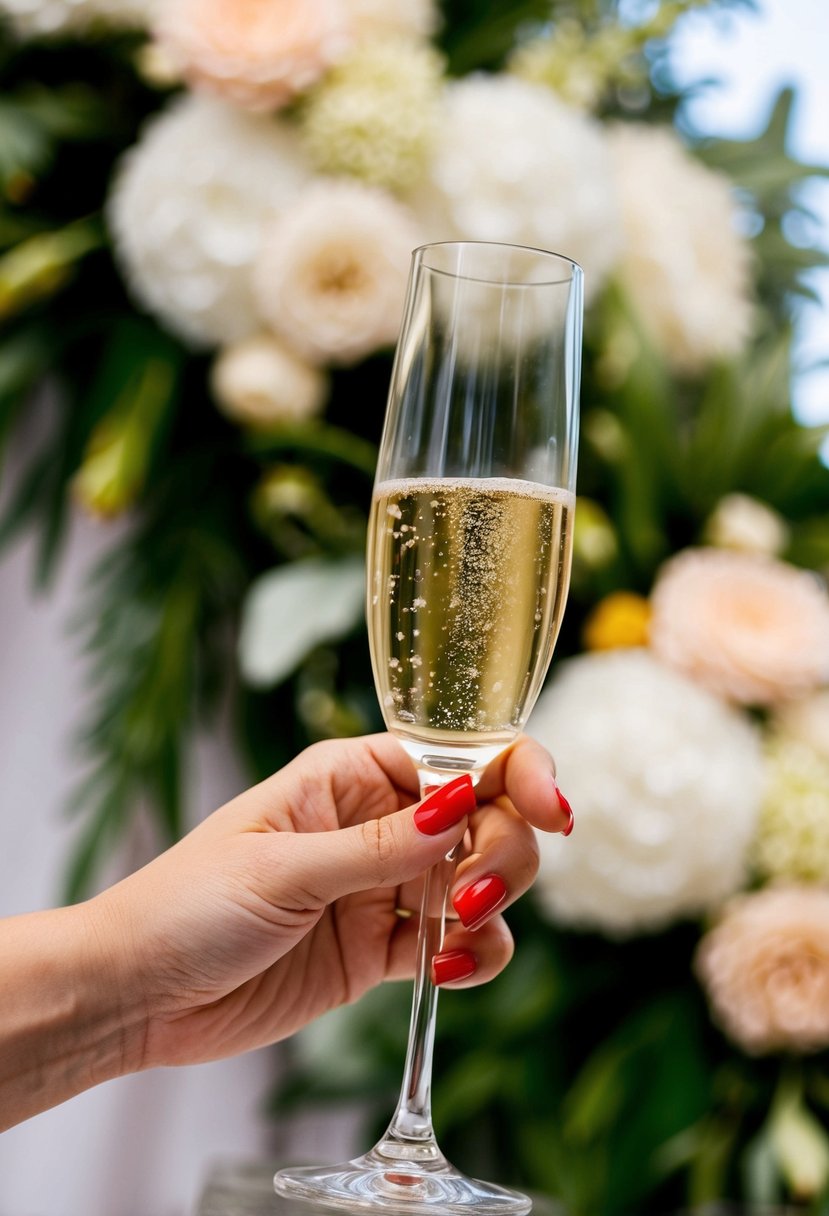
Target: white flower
[[187, 211], [370, 18], [666, 783], [332, 275], [512, 163], [259, 382], [42, 18], [741, 522], [684, 267]]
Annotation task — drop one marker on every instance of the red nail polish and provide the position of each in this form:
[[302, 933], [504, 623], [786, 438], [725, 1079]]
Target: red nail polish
[[474, 903], [568, 810], [447, 806], [453, 965]]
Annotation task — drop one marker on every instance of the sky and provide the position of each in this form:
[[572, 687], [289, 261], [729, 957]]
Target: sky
[[752, 51]]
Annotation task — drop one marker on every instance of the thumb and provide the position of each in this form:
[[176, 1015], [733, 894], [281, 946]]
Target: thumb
[[380, 852]]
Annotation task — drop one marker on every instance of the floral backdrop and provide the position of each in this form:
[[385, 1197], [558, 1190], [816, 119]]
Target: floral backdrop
[[207, 209]]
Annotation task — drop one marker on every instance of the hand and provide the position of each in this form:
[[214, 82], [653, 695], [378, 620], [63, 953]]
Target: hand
[[283, 903]]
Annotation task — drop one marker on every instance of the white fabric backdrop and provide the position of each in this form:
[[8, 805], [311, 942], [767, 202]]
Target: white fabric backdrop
[[138, 1146]]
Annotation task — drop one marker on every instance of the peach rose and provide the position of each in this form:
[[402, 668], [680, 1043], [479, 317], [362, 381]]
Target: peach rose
[[752, 629], [765, 968], [257, 53]]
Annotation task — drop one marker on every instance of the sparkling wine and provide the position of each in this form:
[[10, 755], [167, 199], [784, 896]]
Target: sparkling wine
[[469, 583]]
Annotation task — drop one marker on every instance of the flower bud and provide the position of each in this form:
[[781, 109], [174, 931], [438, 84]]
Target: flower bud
[[260, 382]]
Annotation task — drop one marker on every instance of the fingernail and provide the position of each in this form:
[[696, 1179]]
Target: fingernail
[[568, 810], [453, 965], [474, 903], [446, 806]]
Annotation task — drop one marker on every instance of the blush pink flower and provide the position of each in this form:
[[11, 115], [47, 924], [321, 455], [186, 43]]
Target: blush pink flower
[[258, 53], [765, 967], [751, 629]]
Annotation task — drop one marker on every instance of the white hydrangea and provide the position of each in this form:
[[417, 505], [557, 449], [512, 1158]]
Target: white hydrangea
[[512, 163], [684, 266], [666, 782], [44, 18], [187, 211]]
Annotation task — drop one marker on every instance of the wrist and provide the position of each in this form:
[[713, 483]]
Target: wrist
[[66, 1022]]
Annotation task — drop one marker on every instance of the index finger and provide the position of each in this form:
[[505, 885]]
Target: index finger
[[526, 773]]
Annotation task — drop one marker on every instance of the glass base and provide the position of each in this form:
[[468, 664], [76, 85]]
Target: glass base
[[372, 1183]]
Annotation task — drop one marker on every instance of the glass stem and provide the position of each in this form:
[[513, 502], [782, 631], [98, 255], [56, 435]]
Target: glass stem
[[410, 1136]]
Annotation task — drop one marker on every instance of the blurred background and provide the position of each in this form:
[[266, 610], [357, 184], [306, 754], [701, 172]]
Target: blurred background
[[197, 253]]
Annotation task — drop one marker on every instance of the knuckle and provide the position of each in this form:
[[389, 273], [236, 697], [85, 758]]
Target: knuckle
[[380, 843], [530, 858]]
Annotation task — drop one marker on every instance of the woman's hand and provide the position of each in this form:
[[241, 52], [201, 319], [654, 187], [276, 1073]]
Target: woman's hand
[[285, 903]]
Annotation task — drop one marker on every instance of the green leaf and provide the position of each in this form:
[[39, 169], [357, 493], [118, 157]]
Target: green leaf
[[155, 602], [23, 357], [294, 608], [469, 1085], [41, 265], [316, 439]]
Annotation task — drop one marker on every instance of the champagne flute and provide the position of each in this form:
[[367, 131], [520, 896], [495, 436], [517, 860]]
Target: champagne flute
[[468, 569]]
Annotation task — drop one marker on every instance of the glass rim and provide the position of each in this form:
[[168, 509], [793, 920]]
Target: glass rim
[[576, 270]]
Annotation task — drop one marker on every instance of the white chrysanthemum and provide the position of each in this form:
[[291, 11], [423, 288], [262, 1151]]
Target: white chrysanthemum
[[370, 18], [188, 208], [43, 18], [512, 163], [259, 382], [333, 271], [666, 783], [684, 267]]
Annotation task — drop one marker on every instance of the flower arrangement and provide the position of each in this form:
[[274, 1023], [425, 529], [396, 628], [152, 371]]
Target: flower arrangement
[[206, 214]]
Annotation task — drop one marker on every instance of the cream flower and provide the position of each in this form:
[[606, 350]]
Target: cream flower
[[42, 18], [187, 210], [684, 267], [374, 116], [666, 782], [258, 53], [379, 18], [765, 968], [259, 382], [807, 721], [512, 163], [332, 275], [745, 523], [793, 834], [751, 629]]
